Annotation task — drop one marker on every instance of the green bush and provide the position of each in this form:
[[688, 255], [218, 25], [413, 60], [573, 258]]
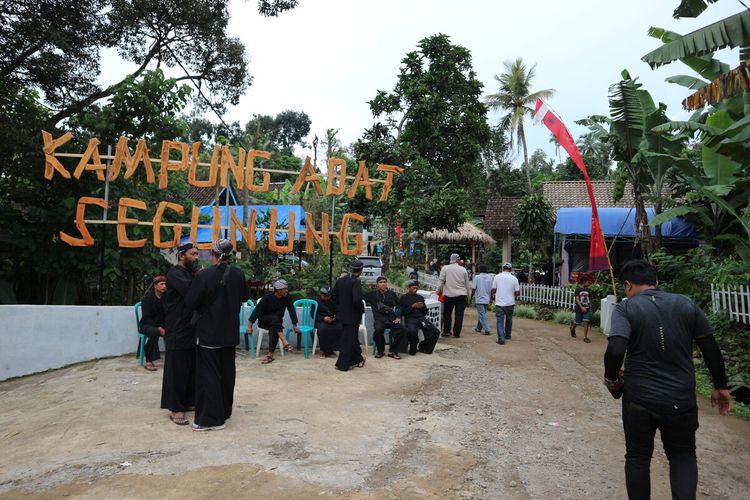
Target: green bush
[[545, 313], [564, 317], [396, 278], [523, 311]]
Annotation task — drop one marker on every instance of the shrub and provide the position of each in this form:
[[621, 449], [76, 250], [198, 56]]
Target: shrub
[[564, 317], [525, 312]]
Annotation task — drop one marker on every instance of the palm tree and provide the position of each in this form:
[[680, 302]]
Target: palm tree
[[515, 97]]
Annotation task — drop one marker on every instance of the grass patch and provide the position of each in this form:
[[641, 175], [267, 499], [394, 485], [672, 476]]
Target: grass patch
[[525, 312], [704, 387]]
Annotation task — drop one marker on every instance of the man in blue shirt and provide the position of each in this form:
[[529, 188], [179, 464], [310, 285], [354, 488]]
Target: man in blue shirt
[[481, 291]]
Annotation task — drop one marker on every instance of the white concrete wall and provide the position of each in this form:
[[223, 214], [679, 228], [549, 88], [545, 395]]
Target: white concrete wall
[[36, 338]]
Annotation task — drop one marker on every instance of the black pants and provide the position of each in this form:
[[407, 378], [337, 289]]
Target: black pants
[[151, 349], [677, 429], [398, 335], [178, 382], [459, 303], [329, 336], [430, 332], [214, 385], [273, 327], [350, 353]]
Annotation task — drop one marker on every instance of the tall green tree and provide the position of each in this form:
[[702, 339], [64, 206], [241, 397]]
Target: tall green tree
[[434, 124], [515, 97], [536, 220]]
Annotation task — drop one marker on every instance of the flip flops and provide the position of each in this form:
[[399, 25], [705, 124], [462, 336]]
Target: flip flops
[[267, 360], [150, 368], [361, 364], [179, 420], [394, 355]]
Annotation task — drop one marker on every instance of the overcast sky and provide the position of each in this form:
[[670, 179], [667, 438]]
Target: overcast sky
[[329, 57]]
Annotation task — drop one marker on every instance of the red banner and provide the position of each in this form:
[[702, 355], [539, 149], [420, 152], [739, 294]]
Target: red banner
[[598, 250]]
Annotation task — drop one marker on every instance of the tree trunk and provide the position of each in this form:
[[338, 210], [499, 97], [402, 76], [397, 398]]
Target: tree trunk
[[387, 244], [641, 221], [522, 137]]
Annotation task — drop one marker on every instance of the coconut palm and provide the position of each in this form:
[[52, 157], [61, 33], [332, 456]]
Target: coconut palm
[[515, 97]]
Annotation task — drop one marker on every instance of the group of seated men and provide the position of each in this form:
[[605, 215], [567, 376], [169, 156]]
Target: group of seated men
[[387, 309]]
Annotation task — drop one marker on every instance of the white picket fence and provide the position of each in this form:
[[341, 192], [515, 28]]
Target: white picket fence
[[734, 299], [549, 295], [427, 281]]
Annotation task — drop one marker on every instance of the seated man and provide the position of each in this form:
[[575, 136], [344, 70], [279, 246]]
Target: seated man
[[270, 316], [414, 311], [328, 326], [153, 320], [384, 302]]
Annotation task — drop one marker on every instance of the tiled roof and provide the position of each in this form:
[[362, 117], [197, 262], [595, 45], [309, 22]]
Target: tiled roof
[[500, 214], [204, 196], [571, 194]]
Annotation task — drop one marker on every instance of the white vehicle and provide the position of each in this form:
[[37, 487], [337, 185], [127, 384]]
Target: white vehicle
[[373, 268]]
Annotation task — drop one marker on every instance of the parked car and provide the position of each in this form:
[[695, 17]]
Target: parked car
[[373, 268], [292, 259]]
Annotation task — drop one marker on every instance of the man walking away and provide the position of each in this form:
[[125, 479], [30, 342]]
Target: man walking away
[[414, 311], [506, 290], [455, 286], [654, 332], [481, 291], [178, 383], [217, 293], [583, 309], [347, 294]]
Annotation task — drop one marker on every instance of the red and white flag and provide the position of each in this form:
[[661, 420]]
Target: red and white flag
[[598, 251]]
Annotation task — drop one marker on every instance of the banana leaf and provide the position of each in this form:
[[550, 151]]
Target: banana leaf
[[690, 82], [670, 214]]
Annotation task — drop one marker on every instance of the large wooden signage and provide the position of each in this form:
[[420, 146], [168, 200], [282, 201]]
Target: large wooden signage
[[241, 167]]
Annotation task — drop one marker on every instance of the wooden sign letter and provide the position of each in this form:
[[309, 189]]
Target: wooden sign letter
[[167, 165], [123, 221], [311, 235], [86, 240], [91, 154], [250, 172], [361, 179], [344, 234], [307, 174], [132, 162], [227, 164], [333, 188], [50, 162], [248, 235], [389, 170], [272, 245], [157, 224]]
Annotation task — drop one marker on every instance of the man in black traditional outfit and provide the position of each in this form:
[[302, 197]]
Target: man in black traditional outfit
[[216, 294], [347, 294], [414, 311], [384, 303], [326, 323], [152, 320], [270, 315], [178, 384]]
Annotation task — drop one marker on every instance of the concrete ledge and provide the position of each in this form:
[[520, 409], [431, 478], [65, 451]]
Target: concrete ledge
[[38, 338]]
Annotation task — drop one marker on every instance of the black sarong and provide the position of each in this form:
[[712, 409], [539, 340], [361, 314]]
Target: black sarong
[[178, 384], [329, 336], [151, 349], [350, 353], [215, 374], [430, 332]]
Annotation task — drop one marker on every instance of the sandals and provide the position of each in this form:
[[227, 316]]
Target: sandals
[[150, 367], [587, 340], [179, 420], [267, 360], [394, 355], [361, 364], [288, 347], [378, 355]]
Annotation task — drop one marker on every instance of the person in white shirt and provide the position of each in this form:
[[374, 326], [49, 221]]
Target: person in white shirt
[[456, 287], [505, 289]]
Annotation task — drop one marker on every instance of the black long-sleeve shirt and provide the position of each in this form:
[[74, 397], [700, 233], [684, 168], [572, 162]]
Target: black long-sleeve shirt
[[407, 301], [179, 334], [152, 308], [383, 304], [270, 311]]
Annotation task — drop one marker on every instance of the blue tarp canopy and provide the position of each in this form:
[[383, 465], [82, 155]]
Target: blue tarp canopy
[[262, 218], [618, 222]]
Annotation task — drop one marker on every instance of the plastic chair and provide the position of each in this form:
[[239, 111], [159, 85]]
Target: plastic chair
[[142, 336], [363, 330], [261, 333], [306, 311], [245, 329]]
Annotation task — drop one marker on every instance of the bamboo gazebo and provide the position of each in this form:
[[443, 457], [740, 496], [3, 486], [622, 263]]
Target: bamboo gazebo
[[467, 234]]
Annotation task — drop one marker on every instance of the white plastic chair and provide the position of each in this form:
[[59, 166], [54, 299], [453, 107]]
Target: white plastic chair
[[261, 332]]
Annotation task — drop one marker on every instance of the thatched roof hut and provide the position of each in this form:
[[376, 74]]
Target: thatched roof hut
[[467, 234]]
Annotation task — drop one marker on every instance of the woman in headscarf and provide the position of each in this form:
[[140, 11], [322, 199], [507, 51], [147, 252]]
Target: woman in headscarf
[[152, 320]]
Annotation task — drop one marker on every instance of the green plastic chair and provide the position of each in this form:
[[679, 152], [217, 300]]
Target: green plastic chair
[[142, 336], [245, 328], [306, 311]]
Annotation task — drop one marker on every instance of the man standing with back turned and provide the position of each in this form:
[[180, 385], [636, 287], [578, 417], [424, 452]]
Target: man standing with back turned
[[506, 290], [455, 285], [217, 293], [654, 332], [347, 294]]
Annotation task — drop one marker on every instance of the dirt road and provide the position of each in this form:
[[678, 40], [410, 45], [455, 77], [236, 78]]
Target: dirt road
[[474, 420]]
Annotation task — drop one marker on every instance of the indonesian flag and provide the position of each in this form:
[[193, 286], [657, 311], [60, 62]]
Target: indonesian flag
[[598, 250]]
